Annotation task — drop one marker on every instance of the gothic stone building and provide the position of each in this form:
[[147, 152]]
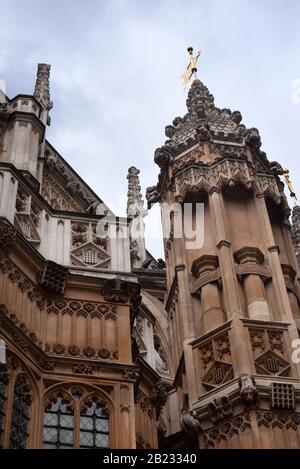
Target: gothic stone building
[[108, 347]]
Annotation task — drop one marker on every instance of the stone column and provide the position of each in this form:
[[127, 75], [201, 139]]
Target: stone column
[[240, 354], [207, 272], [250, 269]]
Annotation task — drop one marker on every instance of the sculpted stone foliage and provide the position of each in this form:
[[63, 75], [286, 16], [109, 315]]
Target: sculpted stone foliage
[[135, 204], [144, 402], [41, 92]]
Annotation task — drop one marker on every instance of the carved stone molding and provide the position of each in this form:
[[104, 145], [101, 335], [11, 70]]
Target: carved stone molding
[[249, 262], [282, 420], [86, 352], [224, 432], [141, 442], [206, 269], [204, 263], [249, 254], [158, 396], [219, 409], [120, 291], [254, 269]]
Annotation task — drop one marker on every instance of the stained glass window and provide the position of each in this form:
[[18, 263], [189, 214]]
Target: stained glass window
[[20, 414], [94, 427], [3, 397], [58, 426]]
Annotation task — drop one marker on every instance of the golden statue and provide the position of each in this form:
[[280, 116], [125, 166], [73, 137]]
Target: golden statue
[[286, 175], [191, 69]]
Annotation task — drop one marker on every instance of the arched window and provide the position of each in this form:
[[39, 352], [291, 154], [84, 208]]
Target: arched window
[[75, 418], [15, 405], [20, 413], [3, 398], [58, 425]]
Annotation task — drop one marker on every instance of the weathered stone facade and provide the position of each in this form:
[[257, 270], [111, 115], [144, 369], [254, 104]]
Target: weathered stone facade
[[108, 347]]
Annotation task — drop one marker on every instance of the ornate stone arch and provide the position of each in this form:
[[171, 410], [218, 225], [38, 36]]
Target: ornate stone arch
[[21, 390], [78, 397]]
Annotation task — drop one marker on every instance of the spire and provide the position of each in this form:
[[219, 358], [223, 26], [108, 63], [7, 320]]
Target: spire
[[41, 91], [135, 209], [135, 203]]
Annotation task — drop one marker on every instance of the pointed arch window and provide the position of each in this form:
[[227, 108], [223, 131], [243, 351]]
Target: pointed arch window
[[58, 425], [3, 399], [75, 419], [94, 426], [20, 414]]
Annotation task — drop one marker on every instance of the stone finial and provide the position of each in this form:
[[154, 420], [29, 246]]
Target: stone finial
[[135, 209], [135, 203], [41, 91]]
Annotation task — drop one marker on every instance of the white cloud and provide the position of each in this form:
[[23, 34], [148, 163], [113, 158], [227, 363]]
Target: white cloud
[[115, 75]]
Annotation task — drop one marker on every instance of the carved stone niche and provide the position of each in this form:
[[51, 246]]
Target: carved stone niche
[[253, 275], [53, 277], [207, 287]]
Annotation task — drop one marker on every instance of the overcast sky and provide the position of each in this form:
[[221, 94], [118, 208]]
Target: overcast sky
[[115, 76]]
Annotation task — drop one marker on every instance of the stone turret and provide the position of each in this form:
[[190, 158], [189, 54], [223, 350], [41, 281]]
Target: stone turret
[[23, 125], [41, 91], [232, 294]]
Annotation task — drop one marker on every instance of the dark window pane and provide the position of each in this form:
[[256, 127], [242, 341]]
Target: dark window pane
[[101, 440], [94, 427], [86, 423], [3, 396], [102, 425], [58, 426], [51, 419], [20, 414]]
